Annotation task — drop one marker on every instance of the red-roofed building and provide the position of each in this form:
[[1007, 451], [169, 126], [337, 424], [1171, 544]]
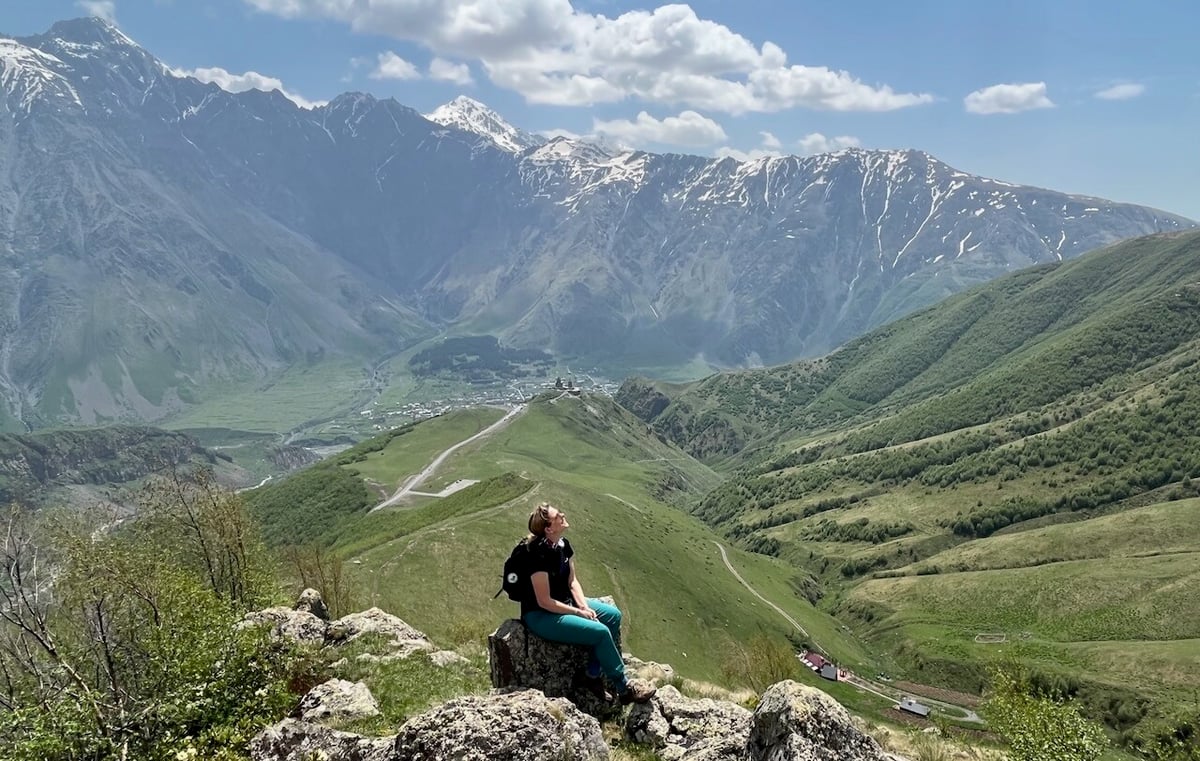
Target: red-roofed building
[[813, 660]]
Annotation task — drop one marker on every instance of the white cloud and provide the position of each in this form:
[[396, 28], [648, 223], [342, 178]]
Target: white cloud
[[105, 9], [553, 133], [689, 128], [448, 71], [392, 66], [1121, 91], [251, 80], [815, 142], [770, 141], [1008, 98], [550, 52]]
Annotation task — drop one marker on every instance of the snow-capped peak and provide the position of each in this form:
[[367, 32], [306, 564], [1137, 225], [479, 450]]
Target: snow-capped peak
[[569, 149], [472, 116], [28, 75]]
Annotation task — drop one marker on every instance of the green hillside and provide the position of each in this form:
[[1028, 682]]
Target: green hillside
[[435, 561], [1008, 475], [1035, 338]]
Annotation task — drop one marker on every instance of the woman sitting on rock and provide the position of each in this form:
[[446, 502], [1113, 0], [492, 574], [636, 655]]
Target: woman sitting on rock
[[561, 613]]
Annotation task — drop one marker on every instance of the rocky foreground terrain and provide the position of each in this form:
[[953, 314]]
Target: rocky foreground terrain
[[790, 721]]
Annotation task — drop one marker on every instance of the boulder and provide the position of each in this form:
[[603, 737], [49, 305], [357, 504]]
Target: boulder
[[292, 740], [312, 602], [693, 729], [287, 623], [401, 637], [515, 726], [794, 722], [520, 659], [444, 658], [338, 701]]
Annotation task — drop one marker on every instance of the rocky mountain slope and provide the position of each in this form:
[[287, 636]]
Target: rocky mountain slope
[[36, 468], [158, 234]]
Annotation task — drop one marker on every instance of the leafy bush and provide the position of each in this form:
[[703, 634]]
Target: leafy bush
[[123, 644], [1040, 728]]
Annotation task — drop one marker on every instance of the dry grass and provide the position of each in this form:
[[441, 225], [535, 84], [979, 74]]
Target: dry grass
[[929, 746]]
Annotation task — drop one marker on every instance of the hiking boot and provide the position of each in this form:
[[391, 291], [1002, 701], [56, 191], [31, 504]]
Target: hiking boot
[[637, 692]]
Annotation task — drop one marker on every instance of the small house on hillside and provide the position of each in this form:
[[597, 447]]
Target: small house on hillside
[[911, 705], [814, 661], [830, 671]]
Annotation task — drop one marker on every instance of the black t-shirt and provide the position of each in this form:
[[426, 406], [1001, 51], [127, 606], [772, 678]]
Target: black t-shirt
[[555, 560]]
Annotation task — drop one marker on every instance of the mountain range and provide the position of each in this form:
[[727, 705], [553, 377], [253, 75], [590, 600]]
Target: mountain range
[[159, 235]]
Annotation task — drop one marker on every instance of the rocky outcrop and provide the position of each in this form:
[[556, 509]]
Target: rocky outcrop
[[307, 622], [540, 708], [32, 465], [401, 637], [515, 726], [292, 740], [791, 723], [678, 727], [288, 623], [338, 701], [794, 722], [520, 659]]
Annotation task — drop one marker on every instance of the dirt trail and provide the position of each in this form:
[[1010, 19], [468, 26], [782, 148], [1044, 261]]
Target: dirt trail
[[872, 687], [412, 482]]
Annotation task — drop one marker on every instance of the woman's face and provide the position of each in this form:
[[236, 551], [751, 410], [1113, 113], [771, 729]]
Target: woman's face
[[558, 521]]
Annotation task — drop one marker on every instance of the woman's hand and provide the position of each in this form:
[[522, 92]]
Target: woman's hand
[[587, 613]]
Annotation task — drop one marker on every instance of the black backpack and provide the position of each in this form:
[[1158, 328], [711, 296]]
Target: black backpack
[[515, 580]]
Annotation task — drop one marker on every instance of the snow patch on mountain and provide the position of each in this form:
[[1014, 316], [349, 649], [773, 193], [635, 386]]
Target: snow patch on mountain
[[28, 75], [470, 115]]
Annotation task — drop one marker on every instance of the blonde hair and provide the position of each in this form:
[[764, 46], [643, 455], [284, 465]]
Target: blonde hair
[[539, 519]]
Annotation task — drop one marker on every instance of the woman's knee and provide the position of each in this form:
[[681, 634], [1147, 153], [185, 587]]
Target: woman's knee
[[610, 614]]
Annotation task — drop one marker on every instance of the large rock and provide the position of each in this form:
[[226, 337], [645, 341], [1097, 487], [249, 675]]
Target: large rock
[[292, 740], [794, 722], [686, 729], [401, 637], [288, 623], [312, 602], [514, 726], [338, 701], [520, 659]]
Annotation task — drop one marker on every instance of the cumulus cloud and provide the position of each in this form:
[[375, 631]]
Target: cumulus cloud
[[251, 80], [550, 52], [689, 128], [105, 9], [770, 141], [392, 66], [1121, 91], [558, 132], [1008, 98], [815, 142], [448, 71]]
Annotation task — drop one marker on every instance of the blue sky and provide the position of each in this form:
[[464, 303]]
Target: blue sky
[[1086, 97]]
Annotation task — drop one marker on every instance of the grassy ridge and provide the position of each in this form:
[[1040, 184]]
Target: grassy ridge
[[436, 562], [1013, 344]]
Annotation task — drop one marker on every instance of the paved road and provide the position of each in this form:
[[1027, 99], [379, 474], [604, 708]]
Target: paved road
[[857, 681], [413, 482]]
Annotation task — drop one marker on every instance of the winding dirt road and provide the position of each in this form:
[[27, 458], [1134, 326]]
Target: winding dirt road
[[412, 482], [853, 679]]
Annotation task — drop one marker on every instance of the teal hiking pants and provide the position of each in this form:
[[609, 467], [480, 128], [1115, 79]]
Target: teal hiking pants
[[602, 635]]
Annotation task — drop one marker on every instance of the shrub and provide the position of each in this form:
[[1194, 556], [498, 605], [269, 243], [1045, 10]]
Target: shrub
[[1040, 728]]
